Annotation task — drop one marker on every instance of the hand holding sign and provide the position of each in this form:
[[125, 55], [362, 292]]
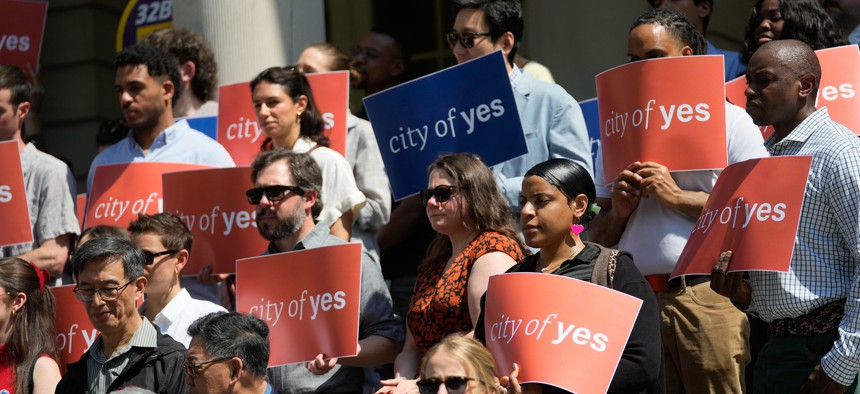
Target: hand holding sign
[[730, 285]]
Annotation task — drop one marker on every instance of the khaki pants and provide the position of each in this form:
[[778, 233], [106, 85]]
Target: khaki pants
[[705, 341]]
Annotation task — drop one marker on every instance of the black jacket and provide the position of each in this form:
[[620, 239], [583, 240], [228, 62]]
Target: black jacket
[[158, 369]]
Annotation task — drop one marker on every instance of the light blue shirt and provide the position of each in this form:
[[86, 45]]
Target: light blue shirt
[[732, 60], [178, 143]]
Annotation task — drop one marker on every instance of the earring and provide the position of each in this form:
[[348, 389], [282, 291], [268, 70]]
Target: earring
[[298, 117], [577, 229], [13, 312]]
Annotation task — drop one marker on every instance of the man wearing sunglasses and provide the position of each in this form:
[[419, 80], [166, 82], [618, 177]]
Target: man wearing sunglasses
[[217, 362], [130, 351], [552, 120], [166, 244], [286, 195]]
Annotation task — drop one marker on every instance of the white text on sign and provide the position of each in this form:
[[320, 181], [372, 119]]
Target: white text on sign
[[208, 222], [5, 193], [618, 122], [417, 137], [760, 211], [271, 311], [506, 329], [65, 341], [14, 42]]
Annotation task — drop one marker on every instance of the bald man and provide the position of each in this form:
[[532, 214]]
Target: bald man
[[813, 310]]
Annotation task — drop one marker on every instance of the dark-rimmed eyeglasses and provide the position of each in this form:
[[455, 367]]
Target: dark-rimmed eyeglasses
[[467, 40], [192, 369], [273, 193], [106, 294], [453, 384], [149, 257], [441, 193]]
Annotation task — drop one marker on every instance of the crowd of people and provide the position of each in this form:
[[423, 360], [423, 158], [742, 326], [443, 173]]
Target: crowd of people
[[427, 259]]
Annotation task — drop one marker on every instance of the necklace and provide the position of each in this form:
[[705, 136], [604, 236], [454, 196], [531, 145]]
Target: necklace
[[552, 267]]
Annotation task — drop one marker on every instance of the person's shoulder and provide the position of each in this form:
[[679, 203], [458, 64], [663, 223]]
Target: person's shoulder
[[47, 163], [113, 154], [548, 90], [203, 307], [166, 345]]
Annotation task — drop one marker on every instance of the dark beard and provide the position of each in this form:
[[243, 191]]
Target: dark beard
[[283, 229]]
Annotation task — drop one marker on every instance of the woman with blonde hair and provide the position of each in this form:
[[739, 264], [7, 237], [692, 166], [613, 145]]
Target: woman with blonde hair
[[463, 365], [28, 336]]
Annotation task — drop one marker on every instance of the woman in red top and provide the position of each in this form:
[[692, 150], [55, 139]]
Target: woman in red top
[[28, 337], [475, 238]]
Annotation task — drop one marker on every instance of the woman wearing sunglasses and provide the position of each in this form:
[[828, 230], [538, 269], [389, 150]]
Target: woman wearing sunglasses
[[28, 336], [463, 365], [475, 239], [557, 201], [285, 109]]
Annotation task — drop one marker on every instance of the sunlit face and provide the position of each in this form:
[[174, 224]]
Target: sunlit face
[[215, 377], [770, 23], [442, 365], [11, 116], [163, 273], [276, 110], [280, 219], [142, 98], [546, 215], [445, 217], [652, 41], [772, 91], [313, 60], [115, 316], [471, 20]]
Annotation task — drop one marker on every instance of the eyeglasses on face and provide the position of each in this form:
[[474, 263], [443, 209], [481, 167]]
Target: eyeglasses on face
[[453, 384], [441, 193], [106, 294], [149, 257], [467, 40], [192, 369], [273, 193]]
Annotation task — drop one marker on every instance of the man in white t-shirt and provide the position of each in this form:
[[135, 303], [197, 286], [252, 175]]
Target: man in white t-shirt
[[650, 212]]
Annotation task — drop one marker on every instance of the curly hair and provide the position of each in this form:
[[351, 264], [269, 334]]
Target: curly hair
[[487, 207], [677, 25], [804, 20], [159, 64], [187, 46]]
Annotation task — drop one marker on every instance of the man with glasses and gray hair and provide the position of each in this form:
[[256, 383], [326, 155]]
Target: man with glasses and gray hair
[[130, 351], [229, 353]]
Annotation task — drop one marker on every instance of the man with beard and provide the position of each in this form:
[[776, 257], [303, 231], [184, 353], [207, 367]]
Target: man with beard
[[287, 196], [148, 83]]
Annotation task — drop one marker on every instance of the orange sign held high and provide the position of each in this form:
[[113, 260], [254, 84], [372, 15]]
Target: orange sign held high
[[758, 224], [567, 333], [650, 110], [22, 24], [309, 298], [213, 205], [15, 226]]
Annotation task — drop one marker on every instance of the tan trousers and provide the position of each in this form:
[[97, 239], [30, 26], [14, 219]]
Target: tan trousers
[[705, 341]]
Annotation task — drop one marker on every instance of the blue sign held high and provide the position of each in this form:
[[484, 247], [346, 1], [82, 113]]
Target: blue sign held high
[[469, 107]]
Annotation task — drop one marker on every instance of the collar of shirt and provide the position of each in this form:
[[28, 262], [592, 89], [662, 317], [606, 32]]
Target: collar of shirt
[[145, 336], [515, 75], [800, 134], [173, 309], [303, 144], [166, 137], [314, 239]]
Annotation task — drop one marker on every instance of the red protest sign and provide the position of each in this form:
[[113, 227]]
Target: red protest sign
[[742, 216], [15, 226], [238, 130], [554, 335], [735, 93], [223, 223], [331, 95], [309, 299], [22, 24], [81, 207], [75, 333], [840, 80], [122, 191], [240, 133], [650, 109]]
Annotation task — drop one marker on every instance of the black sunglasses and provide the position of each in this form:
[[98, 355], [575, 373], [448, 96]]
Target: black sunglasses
[[467, 40], [273, 193], [441, 193], [453, 384], [149, 257]]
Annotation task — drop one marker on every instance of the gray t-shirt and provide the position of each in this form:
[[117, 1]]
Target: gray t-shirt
[[51, 189]]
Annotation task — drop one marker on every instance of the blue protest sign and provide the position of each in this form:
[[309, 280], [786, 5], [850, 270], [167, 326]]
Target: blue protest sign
[[207, 125], [592, 123], [469, 107]]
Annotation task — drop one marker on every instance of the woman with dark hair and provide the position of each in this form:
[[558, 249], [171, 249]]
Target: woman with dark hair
[[557, 201], [28, 337], [475, 239], [285, 109], [803, 20]]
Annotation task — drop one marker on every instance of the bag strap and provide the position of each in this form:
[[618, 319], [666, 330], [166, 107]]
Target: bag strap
[[603, 273]]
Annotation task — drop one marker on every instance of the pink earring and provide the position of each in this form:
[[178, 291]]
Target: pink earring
[[577, 229]]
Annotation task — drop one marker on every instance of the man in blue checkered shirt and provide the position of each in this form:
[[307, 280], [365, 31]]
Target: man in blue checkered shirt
[[813, 310]]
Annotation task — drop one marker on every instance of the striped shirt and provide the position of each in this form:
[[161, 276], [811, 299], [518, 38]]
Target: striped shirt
[[824, 267], [102, 371]]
